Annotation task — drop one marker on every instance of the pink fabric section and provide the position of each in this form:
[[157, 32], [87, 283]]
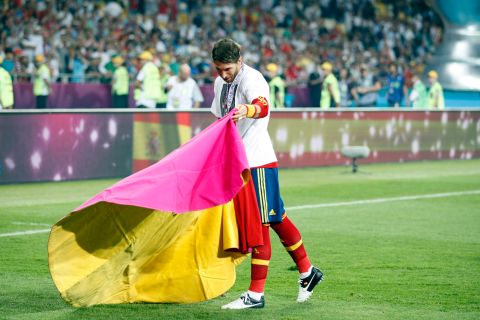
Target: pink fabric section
[[204, 172]]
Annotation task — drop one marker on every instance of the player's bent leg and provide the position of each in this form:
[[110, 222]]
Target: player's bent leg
[[291, 239]]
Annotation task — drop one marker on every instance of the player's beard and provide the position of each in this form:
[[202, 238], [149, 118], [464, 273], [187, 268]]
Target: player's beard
[[235, 74]]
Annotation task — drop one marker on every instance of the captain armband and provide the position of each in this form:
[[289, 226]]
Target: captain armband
[[251, 110], [260, 105]]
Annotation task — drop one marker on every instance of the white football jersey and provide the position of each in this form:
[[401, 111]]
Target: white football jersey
[[254, 132]]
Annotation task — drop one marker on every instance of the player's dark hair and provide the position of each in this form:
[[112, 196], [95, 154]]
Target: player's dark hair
[[226, 51]]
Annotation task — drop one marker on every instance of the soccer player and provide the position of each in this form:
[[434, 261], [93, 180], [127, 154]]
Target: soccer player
[[244, 89]]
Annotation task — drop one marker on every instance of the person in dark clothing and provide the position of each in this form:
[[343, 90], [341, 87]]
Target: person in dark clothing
[[314, 88]]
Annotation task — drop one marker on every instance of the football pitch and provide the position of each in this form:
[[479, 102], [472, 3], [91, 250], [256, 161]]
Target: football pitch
[[395, 241]]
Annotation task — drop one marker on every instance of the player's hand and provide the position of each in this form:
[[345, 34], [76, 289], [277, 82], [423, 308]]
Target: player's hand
[[240, 112]]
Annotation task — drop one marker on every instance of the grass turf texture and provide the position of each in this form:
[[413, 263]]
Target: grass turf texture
[[414, 259]]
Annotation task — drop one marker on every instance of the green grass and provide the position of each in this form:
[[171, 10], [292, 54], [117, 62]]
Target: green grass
[[415, 259]]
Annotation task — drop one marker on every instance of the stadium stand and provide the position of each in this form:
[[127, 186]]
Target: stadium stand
[[79, 38]]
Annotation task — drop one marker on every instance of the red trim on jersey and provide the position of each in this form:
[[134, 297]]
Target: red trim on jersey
[[268, 165], [262, 104]]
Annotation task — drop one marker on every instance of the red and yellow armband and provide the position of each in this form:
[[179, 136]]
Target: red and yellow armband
[[251, 110], [258, 108]]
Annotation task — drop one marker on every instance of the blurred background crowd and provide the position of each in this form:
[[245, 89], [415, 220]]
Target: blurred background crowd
[[291, 39]]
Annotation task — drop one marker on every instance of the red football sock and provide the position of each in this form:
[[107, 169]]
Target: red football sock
[[292, 241], [260, 260]]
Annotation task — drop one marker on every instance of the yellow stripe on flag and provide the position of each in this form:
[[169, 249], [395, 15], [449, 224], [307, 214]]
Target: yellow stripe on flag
[[184, 133]]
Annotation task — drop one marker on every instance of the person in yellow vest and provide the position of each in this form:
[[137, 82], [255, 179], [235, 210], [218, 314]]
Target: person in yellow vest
[[148, 82], [164, 76], [435, 94], [41, 81], [6, 88], [120, 83], [277, 87], [330, 96]]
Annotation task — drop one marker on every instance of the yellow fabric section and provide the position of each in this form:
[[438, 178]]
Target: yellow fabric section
[[110, 253], [261, 262], [295, 246], [229, 227]]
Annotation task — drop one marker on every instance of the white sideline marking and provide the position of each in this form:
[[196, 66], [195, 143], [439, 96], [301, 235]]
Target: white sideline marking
[[23, 233], [383, 200], [312, 206], [31, 224]]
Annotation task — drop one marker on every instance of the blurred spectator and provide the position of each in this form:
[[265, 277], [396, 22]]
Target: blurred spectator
[[435, 93], [291, 34], [148, 82], [77, 65], [277, 86], [183, 91], [408, 74], [41, 82], [8, 61], [314, 87], [365, 89], [418, 95], [23, 68], [396, 88], [32, 41], [164, 76], [92, 70], [6, 88], [120, 84], [345, 86], [330, 96], [54, 64]]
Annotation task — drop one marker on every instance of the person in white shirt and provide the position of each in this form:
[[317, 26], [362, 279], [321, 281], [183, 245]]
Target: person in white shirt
[[183, 91], [244, 90]]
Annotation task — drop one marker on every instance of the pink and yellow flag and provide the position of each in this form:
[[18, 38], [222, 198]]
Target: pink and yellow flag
[[169, 233]]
